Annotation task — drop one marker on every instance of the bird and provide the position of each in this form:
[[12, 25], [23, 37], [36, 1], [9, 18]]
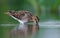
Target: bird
[[23, 16]]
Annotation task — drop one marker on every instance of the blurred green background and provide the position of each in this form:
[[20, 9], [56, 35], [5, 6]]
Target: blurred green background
[[44, 9]]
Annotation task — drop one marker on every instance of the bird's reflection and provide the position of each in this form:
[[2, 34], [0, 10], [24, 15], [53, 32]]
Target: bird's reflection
[[27, 30]]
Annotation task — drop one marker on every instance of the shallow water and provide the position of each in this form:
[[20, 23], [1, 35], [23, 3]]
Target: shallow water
[[49, 29]]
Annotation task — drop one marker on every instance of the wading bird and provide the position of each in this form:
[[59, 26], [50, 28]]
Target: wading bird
[[23, 17]]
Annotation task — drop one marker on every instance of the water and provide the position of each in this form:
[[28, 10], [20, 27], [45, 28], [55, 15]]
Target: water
[[48, 29]]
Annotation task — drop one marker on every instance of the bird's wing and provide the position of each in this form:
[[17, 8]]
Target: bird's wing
[[16, 19]]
